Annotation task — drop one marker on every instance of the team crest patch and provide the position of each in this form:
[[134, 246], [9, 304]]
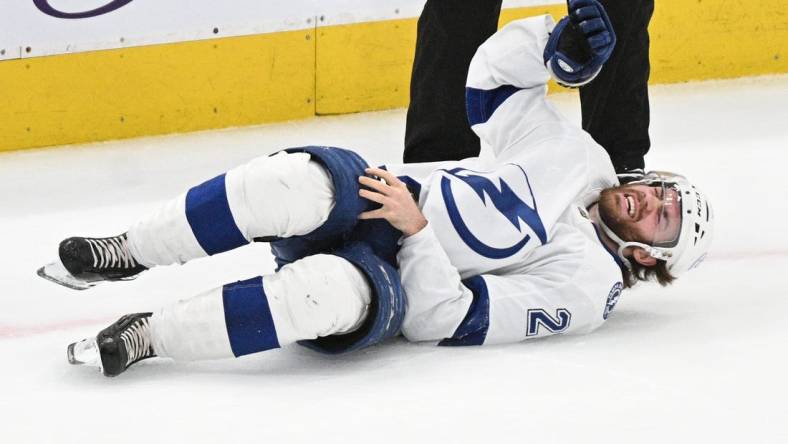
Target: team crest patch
[[612, 299]]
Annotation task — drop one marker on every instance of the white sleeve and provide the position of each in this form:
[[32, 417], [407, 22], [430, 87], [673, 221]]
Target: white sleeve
[[437, 299], [513, 56], [514, 308], [506, 88], [565, 297]]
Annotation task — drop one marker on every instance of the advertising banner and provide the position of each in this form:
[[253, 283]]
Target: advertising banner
[[33, 28]]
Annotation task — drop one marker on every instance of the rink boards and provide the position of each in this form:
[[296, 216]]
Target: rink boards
[[323, 64]]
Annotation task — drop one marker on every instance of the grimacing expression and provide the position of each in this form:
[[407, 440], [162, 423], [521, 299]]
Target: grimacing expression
[[650, 214]]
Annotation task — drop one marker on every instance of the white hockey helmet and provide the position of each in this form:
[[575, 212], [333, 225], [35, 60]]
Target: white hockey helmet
[[686, 246]]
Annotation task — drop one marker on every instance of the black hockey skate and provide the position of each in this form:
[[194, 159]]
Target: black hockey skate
[[85, 261], [116, 347]]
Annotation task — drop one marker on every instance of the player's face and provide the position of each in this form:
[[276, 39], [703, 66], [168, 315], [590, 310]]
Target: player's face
[[650, 214]]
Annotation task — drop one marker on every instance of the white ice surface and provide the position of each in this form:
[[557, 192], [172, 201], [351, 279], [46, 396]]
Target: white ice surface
[[705, 360]]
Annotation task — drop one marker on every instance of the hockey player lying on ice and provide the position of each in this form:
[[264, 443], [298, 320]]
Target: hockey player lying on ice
[[538, 242]]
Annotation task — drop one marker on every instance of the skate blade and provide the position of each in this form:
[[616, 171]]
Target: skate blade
[[85, 352], [57, 273]]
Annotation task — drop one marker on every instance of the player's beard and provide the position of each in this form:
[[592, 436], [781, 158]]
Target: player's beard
[[609, 211]]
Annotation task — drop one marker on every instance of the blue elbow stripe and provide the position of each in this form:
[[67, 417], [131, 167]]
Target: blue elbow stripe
[[210, 218], [473, 329], [413, 186], [480, 104], [247, 315]]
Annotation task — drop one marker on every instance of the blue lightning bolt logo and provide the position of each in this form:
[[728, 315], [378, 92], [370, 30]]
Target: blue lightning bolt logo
[[504, 200]]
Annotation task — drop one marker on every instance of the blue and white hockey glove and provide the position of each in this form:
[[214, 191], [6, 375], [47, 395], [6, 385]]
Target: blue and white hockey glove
[[579, 44]]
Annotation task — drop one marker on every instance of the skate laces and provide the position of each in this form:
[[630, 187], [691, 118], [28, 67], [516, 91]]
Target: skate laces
[[137, 340], [111, 252]]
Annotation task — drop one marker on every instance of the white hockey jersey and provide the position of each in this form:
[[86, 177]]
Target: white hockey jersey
[[509, 252]]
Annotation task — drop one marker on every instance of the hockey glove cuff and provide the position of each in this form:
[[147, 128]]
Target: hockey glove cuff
[[579, 44]]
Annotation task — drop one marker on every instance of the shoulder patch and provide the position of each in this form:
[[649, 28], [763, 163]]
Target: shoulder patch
[[612, 299]]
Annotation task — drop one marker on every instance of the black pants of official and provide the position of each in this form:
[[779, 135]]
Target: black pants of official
[[615, 106]]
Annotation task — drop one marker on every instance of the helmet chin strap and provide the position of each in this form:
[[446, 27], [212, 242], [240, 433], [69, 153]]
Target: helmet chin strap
[[655, 252]]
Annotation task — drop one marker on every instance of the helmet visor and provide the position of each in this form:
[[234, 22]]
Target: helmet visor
[[669, 216]]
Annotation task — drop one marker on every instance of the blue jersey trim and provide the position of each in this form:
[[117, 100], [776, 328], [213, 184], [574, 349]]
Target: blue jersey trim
[[413, 186], [210, 218], [473, 329], [480, 104], [247, 315]]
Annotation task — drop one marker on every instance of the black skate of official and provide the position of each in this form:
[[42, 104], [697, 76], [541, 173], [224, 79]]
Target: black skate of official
[[85, 261], [116, 347]]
